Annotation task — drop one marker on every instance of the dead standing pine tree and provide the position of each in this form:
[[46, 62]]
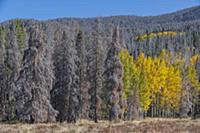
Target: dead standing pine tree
[[113, 81]]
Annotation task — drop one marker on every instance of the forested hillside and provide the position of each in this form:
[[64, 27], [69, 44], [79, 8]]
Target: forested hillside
[[105, 68]]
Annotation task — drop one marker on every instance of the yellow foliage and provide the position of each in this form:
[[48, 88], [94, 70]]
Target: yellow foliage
[[135, 78], [193, 59], [129, 71], [193, 78], [157, 34], [159, 76], [171, 92]]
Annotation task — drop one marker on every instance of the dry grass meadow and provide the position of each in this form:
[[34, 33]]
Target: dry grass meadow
[[155, 125]]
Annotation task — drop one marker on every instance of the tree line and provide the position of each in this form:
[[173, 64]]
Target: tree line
[[128, 87], [163, 86], [51, 73]]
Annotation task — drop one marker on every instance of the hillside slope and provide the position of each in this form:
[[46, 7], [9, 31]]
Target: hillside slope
[[56, 69]]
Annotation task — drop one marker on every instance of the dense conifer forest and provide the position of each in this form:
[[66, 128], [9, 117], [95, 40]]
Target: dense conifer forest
[[116, 68]]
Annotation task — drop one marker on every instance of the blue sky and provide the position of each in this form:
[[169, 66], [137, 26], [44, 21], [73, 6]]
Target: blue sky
[[49, 9]]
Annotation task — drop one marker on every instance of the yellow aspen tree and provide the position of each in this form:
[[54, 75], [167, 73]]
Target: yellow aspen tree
[[135, 78], [144, 66], [127, 62], [131, 85], [171, 92]]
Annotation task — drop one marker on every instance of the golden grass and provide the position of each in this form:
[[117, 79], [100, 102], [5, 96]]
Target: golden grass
[[149, 125]]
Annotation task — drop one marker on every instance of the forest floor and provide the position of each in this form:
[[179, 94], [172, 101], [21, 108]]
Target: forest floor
[[149, 125]]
